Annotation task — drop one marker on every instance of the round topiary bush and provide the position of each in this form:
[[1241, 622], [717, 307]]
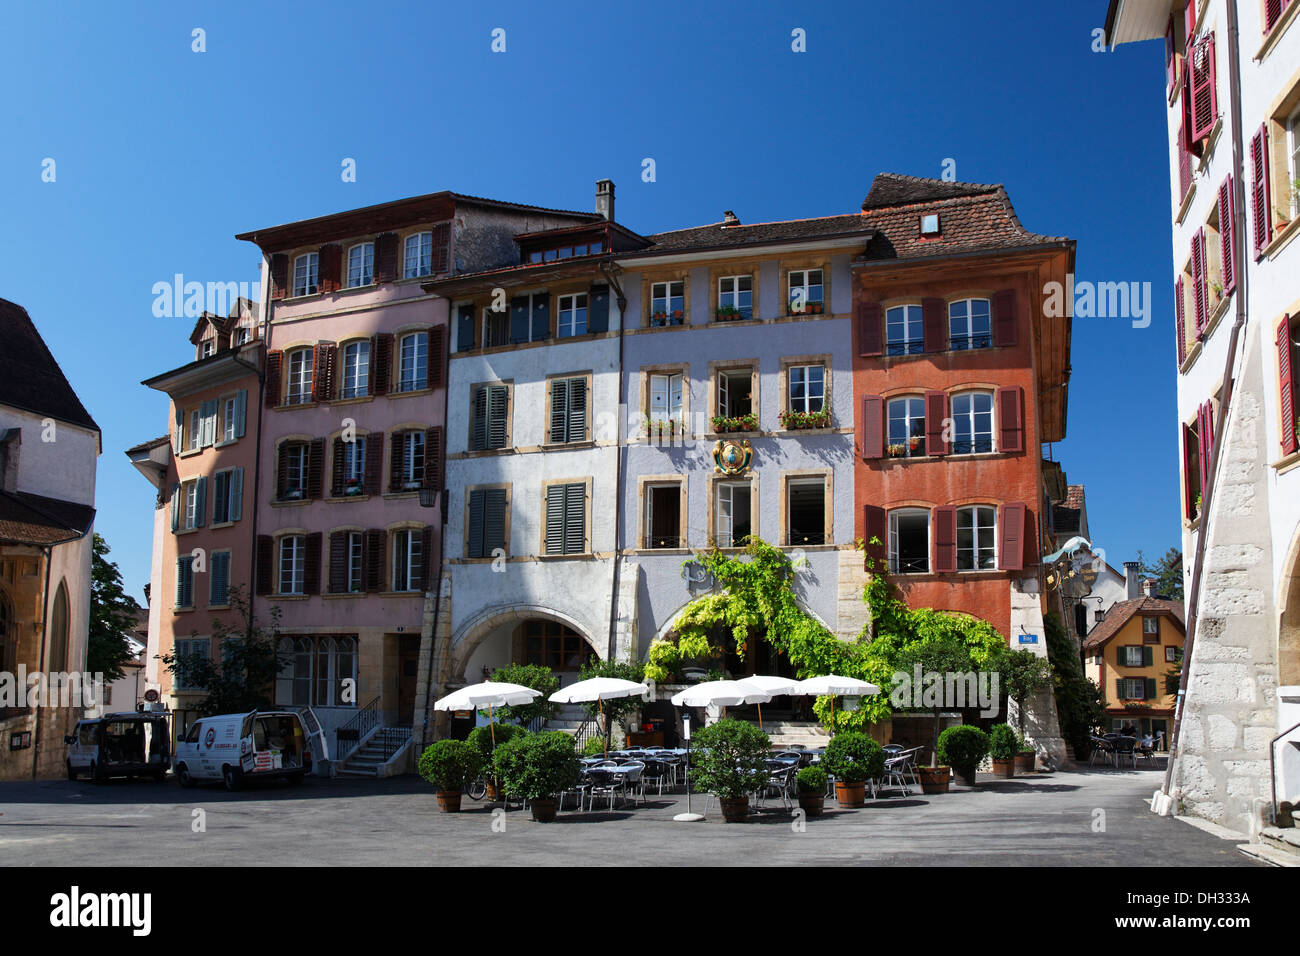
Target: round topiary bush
[[480, 738], [962, 748], [1004, 742], [811, 780], [854, 757], [732, 759], [537, 766], [449, 764]]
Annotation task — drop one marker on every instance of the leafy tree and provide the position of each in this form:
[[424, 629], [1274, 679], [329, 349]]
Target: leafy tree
[[240, 675], [527, 675], [1024, 674], [112, 615], [943, 653], [619, 708], [1079, 704], [1168, 572]]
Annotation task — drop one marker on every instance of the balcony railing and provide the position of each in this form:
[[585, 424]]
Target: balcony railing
[[972, 446], [906, 347], [978, 340]]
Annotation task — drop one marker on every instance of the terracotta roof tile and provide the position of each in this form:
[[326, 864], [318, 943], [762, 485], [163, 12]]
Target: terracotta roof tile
[[33, 519], [1123, 612]]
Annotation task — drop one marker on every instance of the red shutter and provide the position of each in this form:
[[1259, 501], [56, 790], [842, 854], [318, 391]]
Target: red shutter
[[331, 267], [1192, 146], [374, 462], [386, 257], [1011, 537], [1204, 96], [1184, 160], [873, 526], [381, 348], [870, 330], [1202, 292], [1189, 495], [272, 383], [1189, 23], [265, 563], [1181, 321], [336, 468], [1226, 245], [1004, 317], [872, 427], [1202, 448], [426, 557], [322, 384], [338, 580], [315, 468], [279, 275], [441, 248], [1260, 191], [1286, 381], [934, 324], [433, 458], [1171, 56], [373, 557], [1272, 13], [936, 417], [944, 520], [434, 357], [1011, 418], [311, 563], [395, 461]]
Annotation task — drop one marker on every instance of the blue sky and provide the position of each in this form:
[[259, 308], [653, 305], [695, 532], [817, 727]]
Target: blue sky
[[163, 154]]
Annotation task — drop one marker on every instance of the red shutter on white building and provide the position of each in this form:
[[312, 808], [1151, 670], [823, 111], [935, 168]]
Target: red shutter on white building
[[1260, 216], [1181, 321], [1199, 283], [1287, 383], [1226, 246], [1204, 103]]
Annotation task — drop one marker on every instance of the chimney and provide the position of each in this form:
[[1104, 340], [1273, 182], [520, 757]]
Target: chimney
[[729, 218], [1132, 580], [605, 198], [1149, 588]]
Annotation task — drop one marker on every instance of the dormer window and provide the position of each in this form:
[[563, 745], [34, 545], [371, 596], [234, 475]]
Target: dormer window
[[930, 225], [361, 264], [207, 348], [566, 252]]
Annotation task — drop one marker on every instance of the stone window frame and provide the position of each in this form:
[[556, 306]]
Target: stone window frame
[[731, 365], [783, 379], [799, 475], [586, 552], [711, 506], [587, 438], [668, 368], [649, 278], [643, 486], [508, 488]]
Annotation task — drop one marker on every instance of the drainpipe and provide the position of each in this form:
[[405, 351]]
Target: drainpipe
[[442, 549], [1225, 402], [48, 551], [607, 267], [257, 456]]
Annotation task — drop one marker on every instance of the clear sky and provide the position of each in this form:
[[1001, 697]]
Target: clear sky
[[162, 154]]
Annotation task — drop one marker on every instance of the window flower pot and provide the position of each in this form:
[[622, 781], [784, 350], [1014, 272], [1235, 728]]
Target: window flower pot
[[934, 779], [812, 804], [734, 809], [896, 451], [543, 809], [449, 801], [852, 795]]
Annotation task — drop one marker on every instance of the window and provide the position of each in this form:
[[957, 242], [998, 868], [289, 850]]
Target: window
[[565, 252], [414, 367], [736, 297], [59, 629], [356, 370], [411, 465], [665, 397], [486, 529], [407, 558], [191, 649], [207, 348], [1135, 656], [354, 464], [294, 469], [293, 564], [568, 410], [196, 430], [667, 303], [229, 418], [909, 541], [489, 427], [193, 491], [242, 335], [734, 392], [1151, 630], [306, 274], [1173, 654], [734, 522], [807, 388], [223, 496], [551, 644], [976, 538], [806, 508], [1133, 688], [566, 518], [361, 264], [806, 291], [417, 257], [496, 328], [1293, 159], [573, 315], [663, 512], [972, 414], [355, 542], [219, 574], [907, 427], [319, 673], [530, 317], [300, 377], [185, 581], [904, 330], [970, 324]]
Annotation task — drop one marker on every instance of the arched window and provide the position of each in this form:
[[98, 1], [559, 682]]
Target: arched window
[[58, 631], [6, 637]]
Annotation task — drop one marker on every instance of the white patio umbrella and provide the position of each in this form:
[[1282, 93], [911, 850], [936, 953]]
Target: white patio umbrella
[[721, 693], [599, 689], [776, 686], [833, 685], [488, 694]]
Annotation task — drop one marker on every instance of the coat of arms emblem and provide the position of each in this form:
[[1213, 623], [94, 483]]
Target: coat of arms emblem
[[732, 458]]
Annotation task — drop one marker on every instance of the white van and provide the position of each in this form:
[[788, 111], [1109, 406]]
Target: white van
[[233, 748], [127, 745]]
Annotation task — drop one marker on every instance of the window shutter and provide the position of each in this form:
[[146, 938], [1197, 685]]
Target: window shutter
[[315, 468], [374, 467], [519, 319], [282, 468], [575, 519], [1226, 226], [936, 413], [176, 507], [272, 380], [1189, 496], [200, 501], [311, 564], [498, 412], [381, 349], [373, 559], [1181, 321], [338, 581], [872, 428], [1190, 145], [1150, 687], [433, 458], [1004, 317], [279, 274], [541, 320], [559, 410], [1199, 283], [265, 562], [1147, 656], [241, 411], [494, 520], [1260, 190], [1011, 419], [871, 331], [1287, 383], [1204, 103], [944, 521], [474, 539], [479, 427], [434, 356], [331, 267], [873, 526], [1011, 537], [934, 324], [576, 427], [1272, 13], [598, 309], [1201, 447], [555, 519], [336, 467], [1189, 23], [426, 557], [1207, 461], [465, 328], [1171, 57], [396, 457], [236, 493], [386, 257], [179, 414], [440, 261], [322, 385]]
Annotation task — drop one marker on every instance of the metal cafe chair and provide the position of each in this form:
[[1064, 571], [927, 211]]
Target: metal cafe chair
[[1125, 747], [1101, 747]]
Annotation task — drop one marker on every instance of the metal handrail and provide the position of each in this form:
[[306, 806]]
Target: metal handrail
[[1272, 767], [355, 730]]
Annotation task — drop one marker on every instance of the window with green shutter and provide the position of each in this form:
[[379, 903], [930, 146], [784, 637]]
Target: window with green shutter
[[566, 514], [490, 417], [487, 522], [568, 410]]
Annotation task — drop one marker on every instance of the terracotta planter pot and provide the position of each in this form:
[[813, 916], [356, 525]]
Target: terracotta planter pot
[[734, 809], [543, 810], [1025, 762], [812, 804], [850, 796], [1005, 768], [449, 801], [934, 779]]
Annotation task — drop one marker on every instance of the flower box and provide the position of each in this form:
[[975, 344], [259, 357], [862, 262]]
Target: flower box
[[740, 423]]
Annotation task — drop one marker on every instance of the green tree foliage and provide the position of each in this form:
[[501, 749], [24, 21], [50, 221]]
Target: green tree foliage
[[1168, 572], [112, 615], [527, 675], [1024, 674], [1078, 700]]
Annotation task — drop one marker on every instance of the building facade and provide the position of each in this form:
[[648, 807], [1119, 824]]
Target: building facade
[[1130, 656]]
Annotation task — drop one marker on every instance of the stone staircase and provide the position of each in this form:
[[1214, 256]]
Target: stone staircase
[[380, 754], [794, 733], [1277, 845]]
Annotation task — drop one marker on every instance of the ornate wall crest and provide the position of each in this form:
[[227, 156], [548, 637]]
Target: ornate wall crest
[[731, 457]]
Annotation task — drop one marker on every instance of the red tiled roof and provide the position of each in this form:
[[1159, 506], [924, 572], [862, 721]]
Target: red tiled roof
[[34, 519], [1123, 612]]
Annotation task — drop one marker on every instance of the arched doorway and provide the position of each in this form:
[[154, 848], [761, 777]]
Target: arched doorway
[[534, 635], [57, 662]]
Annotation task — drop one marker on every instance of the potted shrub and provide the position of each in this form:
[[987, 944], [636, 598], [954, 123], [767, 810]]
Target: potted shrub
[[480, 738], [731, 764], [811, 784], [962, 748], [1025, 755], [449, 765], [1003, 745], [854, 758], [537, 767], [942, 654]]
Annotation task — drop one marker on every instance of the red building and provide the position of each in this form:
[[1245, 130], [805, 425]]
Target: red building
[[959, 376]]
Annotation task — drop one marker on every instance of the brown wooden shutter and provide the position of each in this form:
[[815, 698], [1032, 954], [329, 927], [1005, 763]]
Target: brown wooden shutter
[[1011, 537], [1005, 324], [338, 580], [936, 417], [323, 360], [944, 520], [336, 468], [279, 275], [1204, 103], [1201, 287], [282, 468], [434, 356], [331, 267], [426, 557], [1011, 418], [1179, 310], [1202, 447], [872, 427], [1226, 245], [1207, 444], [374, 463], [386, 257], [265, 563], [395, 461], [871, 331], [1286, 381], [315, 468], [441, 257], [1189, 495], [1260, 190], [311, 564], [433, 458], [272, 384], [381, 352], [934, 324], [374, 559], [873, 526]]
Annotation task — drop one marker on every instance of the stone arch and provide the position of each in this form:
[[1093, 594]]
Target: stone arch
[[59, 630], [1288, 632], [472, 633]]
